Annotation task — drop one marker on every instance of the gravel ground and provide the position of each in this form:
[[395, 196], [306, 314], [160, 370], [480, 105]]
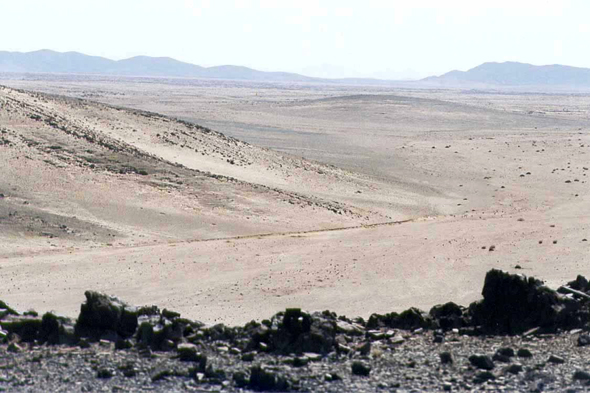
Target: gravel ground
[[414, 364], [522, 336]]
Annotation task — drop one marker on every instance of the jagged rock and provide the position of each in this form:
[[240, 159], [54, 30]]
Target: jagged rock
[[26, 327], [351, 329], [264, 380], [170, 314], [56, 330], [296, 331], [410, 319], [190, 353], [481, 361], [5, 310], [360, 368], [215, 375], [513, 304], [161, 333], [448, 316], [241, 379], [103, 313], [580, 284]]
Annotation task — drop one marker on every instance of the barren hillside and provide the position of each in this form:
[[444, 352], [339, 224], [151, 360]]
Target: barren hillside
[[82, 172]]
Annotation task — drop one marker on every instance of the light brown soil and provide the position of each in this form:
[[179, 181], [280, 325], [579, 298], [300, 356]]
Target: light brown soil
[[458, 175]]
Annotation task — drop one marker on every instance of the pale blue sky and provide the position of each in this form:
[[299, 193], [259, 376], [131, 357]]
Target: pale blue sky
[[332, 38]]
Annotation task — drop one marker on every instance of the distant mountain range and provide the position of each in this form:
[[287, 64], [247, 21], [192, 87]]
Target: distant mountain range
[[508, 74], [516, 74], [78, 63]]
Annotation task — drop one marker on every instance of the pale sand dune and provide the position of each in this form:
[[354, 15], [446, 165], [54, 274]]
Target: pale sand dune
[[466, 176]]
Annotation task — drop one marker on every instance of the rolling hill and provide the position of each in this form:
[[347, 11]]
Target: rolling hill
[[48, 61], [517, 74]]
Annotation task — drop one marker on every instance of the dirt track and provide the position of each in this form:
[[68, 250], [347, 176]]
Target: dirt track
[[223, 241]]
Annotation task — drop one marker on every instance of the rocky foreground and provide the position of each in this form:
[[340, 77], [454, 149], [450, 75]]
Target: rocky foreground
[[521, 336]]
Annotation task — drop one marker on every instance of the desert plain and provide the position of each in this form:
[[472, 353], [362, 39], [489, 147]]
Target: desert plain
[[229, 201]]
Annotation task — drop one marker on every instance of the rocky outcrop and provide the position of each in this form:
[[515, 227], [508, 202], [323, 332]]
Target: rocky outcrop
[[102, 314], [271, 354], [513, 304]]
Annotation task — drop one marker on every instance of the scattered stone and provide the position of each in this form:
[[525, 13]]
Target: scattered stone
[[365, 348], [300, 361], [14, 347], [352, 329], [481, 361], [506, 351], [265, 380], [524, 353], [241, 379], [583, 340], [248, 357], [295, 331], [556, 359], [104, 373], [123, 344], [514, 368], [83, 343], [360, 368], [397, 339], [498, 357], [484, 376], [582, 375], [446, 358]]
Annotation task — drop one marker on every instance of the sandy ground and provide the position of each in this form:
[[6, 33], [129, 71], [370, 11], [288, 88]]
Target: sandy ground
[[462, 170]]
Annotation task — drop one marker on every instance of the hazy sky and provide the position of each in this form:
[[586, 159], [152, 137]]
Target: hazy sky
[[342, 38]]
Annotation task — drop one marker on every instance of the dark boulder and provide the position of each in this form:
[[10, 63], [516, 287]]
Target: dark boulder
[[360, 368], [448, 316], [580, 284], [102, 313], [26, 327], [296, 331], [410, 319], [481, 361], [513, 304], [56, 330], [265, 380]]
